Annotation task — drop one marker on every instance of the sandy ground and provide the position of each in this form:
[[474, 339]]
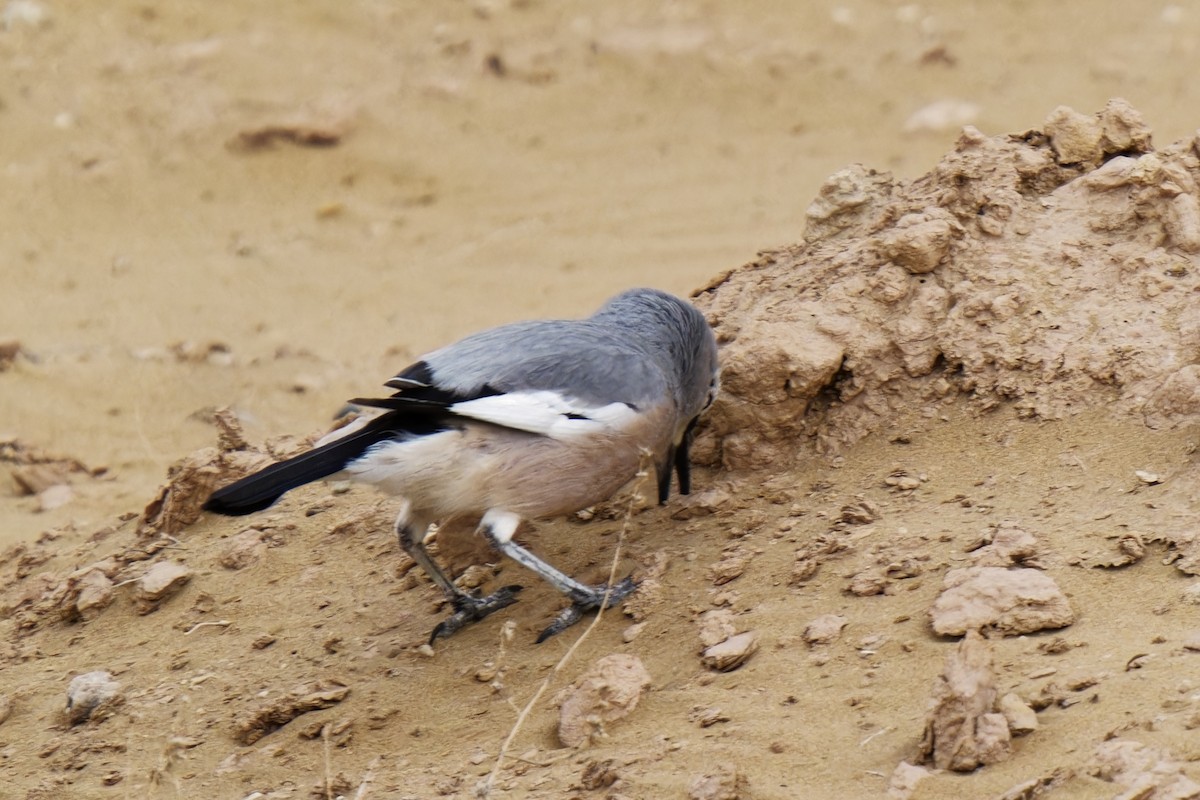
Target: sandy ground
[[209, 205]]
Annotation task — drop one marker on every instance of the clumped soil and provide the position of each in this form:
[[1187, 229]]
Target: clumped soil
[[943, 540]]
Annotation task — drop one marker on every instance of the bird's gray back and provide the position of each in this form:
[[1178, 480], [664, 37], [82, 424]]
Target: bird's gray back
[[640, 347], [579, 358]]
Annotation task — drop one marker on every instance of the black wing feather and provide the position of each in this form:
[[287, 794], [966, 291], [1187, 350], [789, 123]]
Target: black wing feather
[[260, 490]]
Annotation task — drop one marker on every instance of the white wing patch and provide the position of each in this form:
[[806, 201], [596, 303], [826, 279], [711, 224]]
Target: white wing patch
[[546, 413], [340, 433]]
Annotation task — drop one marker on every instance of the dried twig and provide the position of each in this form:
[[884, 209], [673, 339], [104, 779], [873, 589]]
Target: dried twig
[[367, 778], [223, 623]]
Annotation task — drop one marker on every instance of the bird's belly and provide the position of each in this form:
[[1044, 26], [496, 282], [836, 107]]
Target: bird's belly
[[470, 470]]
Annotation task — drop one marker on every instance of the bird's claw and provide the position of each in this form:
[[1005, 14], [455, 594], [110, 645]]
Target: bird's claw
[[468, 609], [583, 603]]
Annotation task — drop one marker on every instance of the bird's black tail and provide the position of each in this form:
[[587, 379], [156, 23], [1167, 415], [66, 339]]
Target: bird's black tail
[[260, 490]]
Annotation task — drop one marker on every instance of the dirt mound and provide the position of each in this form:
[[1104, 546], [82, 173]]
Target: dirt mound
[[1054, 269]]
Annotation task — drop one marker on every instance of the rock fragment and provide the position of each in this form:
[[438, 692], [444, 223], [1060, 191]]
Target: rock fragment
[[55, 496], [1010, 601], [273, 715], [1075, 137], [1183, 550], [725, 782], [92, 696], [178, 503], [825, 629], [716, 626], [702, 504], [36, 478], [860, 512], [95, 593], [1006, 545], [192, 479], [83, 594], [732, 653], [599, 775], [963, 730], [1130, 549], [1142, 771], [162, 580], [1122, 128], [707, 717], [844, 199], [788, 360], [1039, 787], [607, 692], [901, 481], [1147, 477], [904, 780], [868, 583], [728, 568], [920, 241], [1022, 719], [722, 647]]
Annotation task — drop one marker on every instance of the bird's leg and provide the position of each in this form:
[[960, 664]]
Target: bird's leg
[[498, 527], [467, 608], [677, 457], [683, 465], [664, 477]]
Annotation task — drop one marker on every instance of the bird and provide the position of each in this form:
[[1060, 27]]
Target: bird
[[525, 421]]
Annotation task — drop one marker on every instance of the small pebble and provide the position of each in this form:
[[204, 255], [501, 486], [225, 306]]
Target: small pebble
[[631, 633], [1020, 717], [731, 653], [54, 497], [89, 691], [159, 582], [825, 629]]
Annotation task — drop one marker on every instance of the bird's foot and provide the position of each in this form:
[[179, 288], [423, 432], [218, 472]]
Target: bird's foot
[[468, 609], [583, 603]]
